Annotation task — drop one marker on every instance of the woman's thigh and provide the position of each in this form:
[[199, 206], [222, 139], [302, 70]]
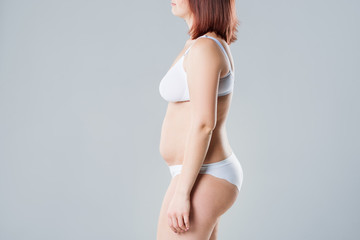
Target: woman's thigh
[[210, 198]]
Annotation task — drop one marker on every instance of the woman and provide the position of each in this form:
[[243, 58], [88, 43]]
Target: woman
[[206, 174]]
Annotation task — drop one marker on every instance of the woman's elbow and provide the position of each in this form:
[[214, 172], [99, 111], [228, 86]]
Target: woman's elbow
[[206, 126]]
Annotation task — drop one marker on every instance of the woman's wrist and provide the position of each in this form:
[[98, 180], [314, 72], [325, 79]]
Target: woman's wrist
[[182, 194]]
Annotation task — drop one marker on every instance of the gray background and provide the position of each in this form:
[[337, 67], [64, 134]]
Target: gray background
[[81, 117]]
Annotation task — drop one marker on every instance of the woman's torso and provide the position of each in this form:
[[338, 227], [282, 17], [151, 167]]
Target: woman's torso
[[176, 125]]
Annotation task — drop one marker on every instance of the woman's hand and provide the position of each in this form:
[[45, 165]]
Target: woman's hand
[[178, 213]]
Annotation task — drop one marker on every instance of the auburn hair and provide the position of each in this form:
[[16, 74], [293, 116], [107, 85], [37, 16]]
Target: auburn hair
[[217, 16]]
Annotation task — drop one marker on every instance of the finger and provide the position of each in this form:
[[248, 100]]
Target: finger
[[181, 222], [170, 223], [187, 221], [175, 224]]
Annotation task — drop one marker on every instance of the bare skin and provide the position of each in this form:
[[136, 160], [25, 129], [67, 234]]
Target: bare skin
[[210, 196]]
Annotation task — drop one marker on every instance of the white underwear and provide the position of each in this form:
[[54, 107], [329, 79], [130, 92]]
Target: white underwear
[[229, 169]]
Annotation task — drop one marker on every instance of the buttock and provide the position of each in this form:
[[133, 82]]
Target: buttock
[[229, 169]]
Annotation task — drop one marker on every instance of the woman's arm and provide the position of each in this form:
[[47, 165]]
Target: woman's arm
[[203, 68]]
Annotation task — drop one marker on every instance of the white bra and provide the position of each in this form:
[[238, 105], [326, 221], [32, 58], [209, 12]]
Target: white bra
[[174, 87]]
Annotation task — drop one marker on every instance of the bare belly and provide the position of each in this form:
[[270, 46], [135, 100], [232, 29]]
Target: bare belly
[[176, 126]]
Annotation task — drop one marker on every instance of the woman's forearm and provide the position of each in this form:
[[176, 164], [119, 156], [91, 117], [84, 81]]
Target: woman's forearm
[[196, 147]]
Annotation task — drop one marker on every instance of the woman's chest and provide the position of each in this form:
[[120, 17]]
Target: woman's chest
[[173, 86]]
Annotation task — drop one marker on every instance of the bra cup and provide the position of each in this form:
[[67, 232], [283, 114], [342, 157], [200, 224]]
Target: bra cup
[[172, 86]]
